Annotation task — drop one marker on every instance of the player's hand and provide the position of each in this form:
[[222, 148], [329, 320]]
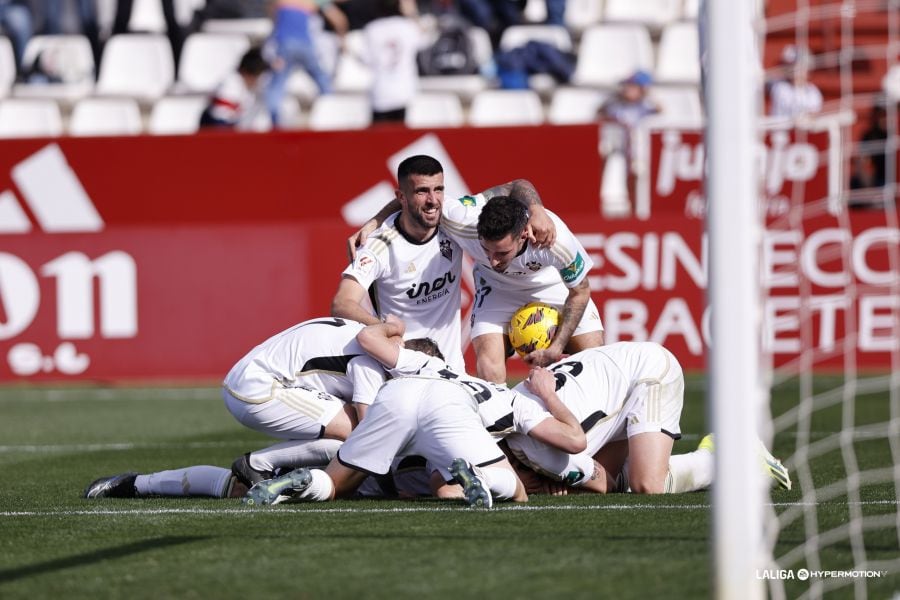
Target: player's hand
[[540, 381], [359, 238], [555, 488], [542, 358], [541, 230]]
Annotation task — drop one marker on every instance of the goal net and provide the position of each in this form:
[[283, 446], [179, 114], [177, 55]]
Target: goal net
[[830, 309]]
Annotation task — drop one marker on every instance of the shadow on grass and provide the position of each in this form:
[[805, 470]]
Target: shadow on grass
[[7, 575]]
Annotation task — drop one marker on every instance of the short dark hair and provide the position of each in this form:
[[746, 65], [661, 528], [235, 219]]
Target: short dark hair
[[426, 345], [419, 164], [252, 62], [500, 217]]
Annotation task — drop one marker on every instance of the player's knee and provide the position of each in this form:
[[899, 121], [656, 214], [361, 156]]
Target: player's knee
[[647, 485]]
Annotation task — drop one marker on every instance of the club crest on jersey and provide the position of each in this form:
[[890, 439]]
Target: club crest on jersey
[[468, 201], [534, 265], [573, 270], [446, 250]]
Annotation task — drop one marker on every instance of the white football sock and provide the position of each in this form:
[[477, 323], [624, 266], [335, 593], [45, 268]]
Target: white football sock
[[690, 472], [320, 489], [190, 481], [295, 454], [502, 482]]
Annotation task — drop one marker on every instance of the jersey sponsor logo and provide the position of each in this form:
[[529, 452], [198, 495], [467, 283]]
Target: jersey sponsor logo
[[446, 249], [468, 201], [59, 204], [426, 291], [534, 265], [573, 270]]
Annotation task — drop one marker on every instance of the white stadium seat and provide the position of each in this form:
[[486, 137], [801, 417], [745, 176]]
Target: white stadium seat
[[136, 65], [340, 111], [652, 13], [681, 103], [176, 115], [435, 110], [519, 35], [464, 86], [7, 66], [506, 107], [630, 45], [70, 58], [351, 74], [207, 58], [571, 106], [106, 116], [30, 118], [678, 54], [582, 14], [255, 29]]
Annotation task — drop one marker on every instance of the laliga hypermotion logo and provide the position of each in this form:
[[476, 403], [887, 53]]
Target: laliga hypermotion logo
[[59, 204]]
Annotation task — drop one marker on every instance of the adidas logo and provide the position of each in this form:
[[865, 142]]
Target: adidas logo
[[411, 268], [52, 193]]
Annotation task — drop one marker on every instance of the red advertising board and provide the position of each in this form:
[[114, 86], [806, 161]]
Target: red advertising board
[[160, 258]]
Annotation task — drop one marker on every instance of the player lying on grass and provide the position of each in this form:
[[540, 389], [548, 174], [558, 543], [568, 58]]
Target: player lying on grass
[[427, 410], [495, 228]]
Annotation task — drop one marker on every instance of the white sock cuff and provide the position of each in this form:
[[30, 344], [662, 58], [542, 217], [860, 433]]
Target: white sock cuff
[[321, 489]]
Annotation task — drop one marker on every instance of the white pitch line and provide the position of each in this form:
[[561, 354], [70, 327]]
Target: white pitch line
[[52, 448], [289, 510]]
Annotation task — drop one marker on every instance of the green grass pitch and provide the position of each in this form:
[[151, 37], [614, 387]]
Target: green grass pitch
[[53, 543]]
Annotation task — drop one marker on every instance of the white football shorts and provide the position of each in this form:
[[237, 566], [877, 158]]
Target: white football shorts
[[290, 414], [433, 418]]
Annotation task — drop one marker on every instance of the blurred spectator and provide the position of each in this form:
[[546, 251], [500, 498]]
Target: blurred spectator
[[556, 12], [494, 16], [237, 100], [452, 52], [869, 167], [17, 23], [516, 65], [621, 113], [174, 31], [794, 95], [229, 9], [392, 42], [291, 45], [87, 16]]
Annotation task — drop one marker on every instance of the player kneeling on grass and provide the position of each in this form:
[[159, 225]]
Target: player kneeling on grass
[[427, 410], [628, 399]]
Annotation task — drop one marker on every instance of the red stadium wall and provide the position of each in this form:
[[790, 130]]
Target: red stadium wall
[[168, 258]]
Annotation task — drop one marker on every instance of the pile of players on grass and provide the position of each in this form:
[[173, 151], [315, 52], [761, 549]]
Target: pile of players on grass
[[378, 402]]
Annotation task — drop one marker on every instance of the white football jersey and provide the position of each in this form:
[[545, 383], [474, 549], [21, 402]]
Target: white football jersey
[[320, 354], [419, 282], [565, 263], [596, 383]]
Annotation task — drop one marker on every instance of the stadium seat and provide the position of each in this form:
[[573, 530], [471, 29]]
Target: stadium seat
[[506, 107], [464, 86], [30, 118], [256, 29], [7, 66], [482, 49], [583, 14], [136, 65], [678, 54], [571, 105], [176, 115], [207, 58], [629, 43], [147, 17], [435, 110], [652, 13], [106, 116], [70, 58], [519, 35], [535, 11], [678, 103], [340, 111]]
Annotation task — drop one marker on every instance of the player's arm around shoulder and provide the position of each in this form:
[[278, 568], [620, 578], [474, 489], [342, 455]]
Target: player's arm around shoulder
[[383, 340], [563, 431]]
